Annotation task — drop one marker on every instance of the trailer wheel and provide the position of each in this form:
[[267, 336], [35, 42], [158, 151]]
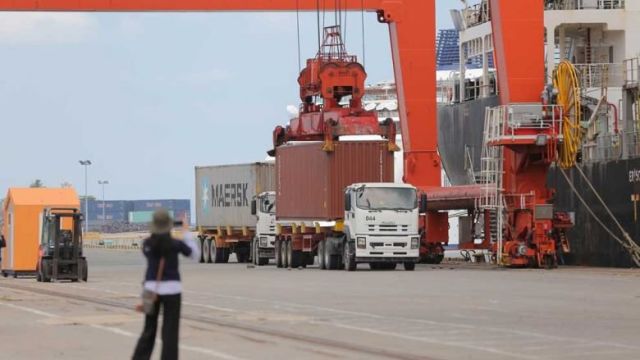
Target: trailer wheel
[[321, 258], [409, 266], [206, 250], [374, 266], [295, 256], [242, 254], [349, 256], [283, 253], [217, 254], [200, 242], [276, 249]]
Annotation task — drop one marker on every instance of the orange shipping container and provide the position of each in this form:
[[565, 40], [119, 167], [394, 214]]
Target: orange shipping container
[[23, 208]]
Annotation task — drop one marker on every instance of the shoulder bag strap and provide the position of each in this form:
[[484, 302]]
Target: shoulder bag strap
[[160, 272]]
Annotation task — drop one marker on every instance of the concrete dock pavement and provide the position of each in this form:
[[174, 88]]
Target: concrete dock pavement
[[232, 311]]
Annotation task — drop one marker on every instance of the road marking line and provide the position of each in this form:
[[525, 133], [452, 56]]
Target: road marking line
[[118, 331], [435, 341], [422, 321]]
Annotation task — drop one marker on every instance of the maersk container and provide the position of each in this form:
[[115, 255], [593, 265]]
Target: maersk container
[[224, 193], [311, 182]]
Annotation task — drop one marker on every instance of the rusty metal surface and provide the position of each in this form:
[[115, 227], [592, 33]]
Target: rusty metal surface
[[454, 197], [310, 183]]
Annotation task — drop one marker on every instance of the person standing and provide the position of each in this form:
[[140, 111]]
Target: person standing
[[161, 251]]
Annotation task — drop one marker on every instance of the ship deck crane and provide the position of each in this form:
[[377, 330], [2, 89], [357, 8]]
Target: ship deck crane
[[411, 28]]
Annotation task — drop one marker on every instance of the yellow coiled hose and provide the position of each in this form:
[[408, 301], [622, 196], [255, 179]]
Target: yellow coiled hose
[[568, 86]]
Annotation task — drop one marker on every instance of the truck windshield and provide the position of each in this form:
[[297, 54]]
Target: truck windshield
[[268, 205], [371, 198]]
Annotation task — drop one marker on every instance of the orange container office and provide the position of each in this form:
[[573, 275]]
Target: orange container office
[[23, 208]]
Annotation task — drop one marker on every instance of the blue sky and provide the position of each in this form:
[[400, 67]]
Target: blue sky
[[147, 97]]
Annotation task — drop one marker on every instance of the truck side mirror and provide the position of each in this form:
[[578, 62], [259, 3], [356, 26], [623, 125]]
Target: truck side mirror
[[347, 201], [254, 207], [423, 203]]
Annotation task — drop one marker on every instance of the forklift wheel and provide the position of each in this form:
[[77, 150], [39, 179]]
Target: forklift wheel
[[4, 273]]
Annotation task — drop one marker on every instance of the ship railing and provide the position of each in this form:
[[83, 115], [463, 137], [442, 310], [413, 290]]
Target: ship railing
[[477, 14], [632, 72], [631, 141], [601, 75], [523, 122], [584, 4], [604, 148]]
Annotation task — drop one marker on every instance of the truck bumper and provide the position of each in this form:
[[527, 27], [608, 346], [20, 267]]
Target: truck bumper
[[382, 259], [267, 253]]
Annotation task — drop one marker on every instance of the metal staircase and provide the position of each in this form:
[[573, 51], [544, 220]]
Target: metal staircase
[[491, 174]]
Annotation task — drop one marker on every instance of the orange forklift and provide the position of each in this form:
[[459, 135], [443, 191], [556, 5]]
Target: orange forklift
[[60, 254]]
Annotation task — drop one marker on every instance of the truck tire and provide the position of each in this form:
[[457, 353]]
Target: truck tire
[[409, 266], [283, 253], [349, 256], [295, 256], [242, 254], [206, 250], [331, 261], [321, 263], [217, 254], [276, 249], [200, 241], [225, 255]]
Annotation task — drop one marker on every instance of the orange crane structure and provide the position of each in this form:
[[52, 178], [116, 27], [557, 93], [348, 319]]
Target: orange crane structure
[[412, 35], [528, 151], [522, 137]]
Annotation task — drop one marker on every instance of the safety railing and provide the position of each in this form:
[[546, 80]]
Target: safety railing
[[631, 72], [601, 75], [506, 121], [477, 14], [631, 141], [584, 4]]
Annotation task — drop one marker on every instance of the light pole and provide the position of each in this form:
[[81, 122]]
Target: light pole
[[86, 164], [104, 219]]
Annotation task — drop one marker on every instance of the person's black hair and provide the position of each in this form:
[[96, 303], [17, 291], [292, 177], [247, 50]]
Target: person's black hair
[[160, 244]]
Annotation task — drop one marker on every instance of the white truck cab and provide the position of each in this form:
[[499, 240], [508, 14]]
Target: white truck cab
[[381, 225], [263, 206]]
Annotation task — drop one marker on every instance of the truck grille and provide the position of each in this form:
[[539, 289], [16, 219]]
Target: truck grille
[[389, 228]]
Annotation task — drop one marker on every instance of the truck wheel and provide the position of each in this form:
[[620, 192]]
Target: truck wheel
[[200, 242], [206, 250], [225, 255], [295, 256], [216, 253], [409, 266], [276, 249], [332, 262], [283, 253], [390, 266], [242, 254], [321, 262], [349, 256]]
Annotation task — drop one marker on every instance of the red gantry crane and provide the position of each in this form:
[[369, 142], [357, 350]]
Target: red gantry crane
[[411, 28]]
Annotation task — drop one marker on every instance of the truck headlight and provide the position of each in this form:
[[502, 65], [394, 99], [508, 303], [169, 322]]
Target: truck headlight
[[415, 243], [362, 243], [263, 242]]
